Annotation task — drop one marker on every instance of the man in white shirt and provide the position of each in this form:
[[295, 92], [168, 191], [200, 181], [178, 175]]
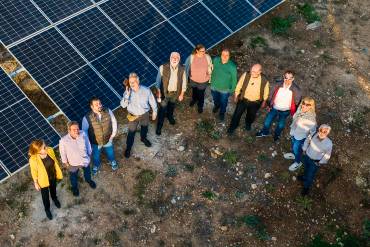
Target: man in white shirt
[[284, 100]]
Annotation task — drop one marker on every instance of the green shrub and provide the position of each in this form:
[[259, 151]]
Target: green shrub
[[308, 12], [230, 157], [281, 25], [258, 41]]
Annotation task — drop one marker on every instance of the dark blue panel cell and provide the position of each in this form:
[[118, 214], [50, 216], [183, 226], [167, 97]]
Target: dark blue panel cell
[[47, 57], [19, 18], [20, 124], [72, 93], [57, 9], [132, 16], [172, 7], [235, 13], [92, 33], [265, 5], [160, 41], [9, 92], [200, 26], [116, 65]]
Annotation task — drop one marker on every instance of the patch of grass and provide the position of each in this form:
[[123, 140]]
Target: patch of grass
[[343, 238], [280, 26], [250, 139], [308, 12], [215, 135], [262, 157], [258, 41], [284, 176], [129, 211], [239, 194], [339, 91], [255, 223], [318, 44], [189, 167], [144, 178], [112, 238], [230, 157], [270, 188], [366, 229], [205, 126], [359, 120], [326, 57], [60, 235], [210, 195], [304, 202], [171, 171]]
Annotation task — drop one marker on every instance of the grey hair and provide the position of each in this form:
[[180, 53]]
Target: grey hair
[[71, 123], [325, 126], [134, 75]]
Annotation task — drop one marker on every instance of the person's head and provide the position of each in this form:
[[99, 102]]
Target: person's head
[[95, 104], [134, 81], [225, 55], [73, 129], [324, 131], [199, 50], [37, 147], [288, 77], [256, 70], [308, 105], [174, 59]]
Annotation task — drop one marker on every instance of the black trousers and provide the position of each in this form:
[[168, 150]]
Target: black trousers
[[251, 107], [198, 96], [165, 110], [52, 189]]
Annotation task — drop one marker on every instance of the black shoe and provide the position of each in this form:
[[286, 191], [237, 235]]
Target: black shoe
[[158, 132], [146, 142], [276, 138], [221, 117], [75, 192], [92, 184], [248, 127], [171, 120], [127, 153], [57, 203], [192, 103], [305, 191], [49, 215], [200, 110], [261, 134], [230, 132], [215, 109]]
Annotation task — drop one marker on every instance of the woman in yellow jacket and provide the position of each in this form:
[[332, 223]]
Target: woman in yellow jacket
[[45, 172]]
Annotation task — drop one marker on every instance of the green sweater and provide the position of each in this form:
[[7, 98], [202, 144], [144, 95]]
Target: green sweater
[[223, 76]]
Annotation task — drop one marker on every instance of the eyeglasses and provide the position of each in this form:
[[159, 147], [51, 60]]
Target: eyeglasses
[[324, 131], [288, 79], [201, 51], [306, 104]]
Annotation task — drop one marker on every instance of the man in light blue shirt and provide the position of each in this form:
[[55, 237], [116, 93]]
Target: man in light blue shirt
[[138, 100]]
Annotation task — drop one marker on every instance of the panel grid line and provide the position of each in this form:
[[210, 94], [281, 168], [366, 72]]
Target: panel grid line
[[218, 18], [255, 8]]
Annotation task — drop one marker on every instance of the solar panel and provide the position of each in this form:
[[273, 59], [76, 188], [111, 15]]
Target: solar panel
[[160, 41], [132, 16], [92, 33], [20, 123], [171, 7], [265, 5], [235, 13], [72, 93], [117, 64], [200, 26], [19, 18], [57, 9], [3, 174], [47, 57]]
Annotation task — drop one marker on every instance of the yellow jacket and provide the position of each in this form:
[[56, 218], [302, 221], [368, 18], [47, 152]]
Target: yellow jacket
[[38, 170]]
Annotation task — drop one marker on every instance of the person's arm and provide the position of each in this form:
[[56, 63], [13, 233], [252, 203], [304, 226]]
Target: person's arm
[[187, 66], [238, 87], [153, 105], [306, 143], [234, 79], [312, 129], [266, 93], [327, 155], [34, 173], [114, 125], [183, 86], [125, 98], [62, 152], [158, 81], [87, 144], [85, 125]]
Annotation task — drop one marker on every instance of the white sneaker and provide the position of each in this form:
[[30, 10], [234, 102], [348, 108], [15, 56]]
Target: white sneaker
[[295, 166], [289, 156]]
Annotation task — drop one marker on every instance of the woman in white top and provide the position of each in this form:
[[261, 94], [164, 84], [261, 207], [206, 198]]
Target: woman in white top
[[303, 125]]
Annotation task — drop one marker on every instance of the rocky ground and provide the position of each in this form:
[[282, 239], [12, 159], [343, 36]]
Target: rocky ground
[[198, 187]]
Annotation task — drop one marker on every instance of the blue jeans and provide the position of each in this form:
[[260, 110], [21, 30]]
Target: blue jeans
[[310, 170], [73, 176], [282, 116], [220, 100], [297, 148], [96, 151]]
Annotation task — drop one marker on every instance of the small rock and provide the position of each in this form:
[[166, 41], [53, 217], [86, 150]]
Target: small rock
[[267, 175], [273, 238], [12, 237], [152, 229], [181, 148], [294, 178], [254, 186], [313, 25], [223, 228], [274, 154], [173, 201]]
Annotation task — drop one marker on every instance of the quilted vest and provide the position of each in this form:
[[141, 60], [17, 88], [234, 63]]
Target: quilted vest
[[166, 78], [99, 131]]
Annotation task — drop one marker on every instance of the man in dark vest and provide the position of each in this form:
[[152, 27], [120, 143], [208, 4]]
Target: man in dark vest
[[100, 126], [171, 86], [251, 93]]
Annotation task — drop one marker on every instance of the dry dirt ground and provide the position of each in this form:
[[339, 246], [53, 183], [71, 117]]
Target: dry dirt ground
[[198, 187]]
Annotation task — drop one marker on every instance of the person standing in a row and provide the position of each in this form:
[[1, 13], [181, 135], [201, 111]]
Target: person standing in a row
[[45, 172], [223, 82], [250, 94], [171, 86], [198, 69], [138, 100]]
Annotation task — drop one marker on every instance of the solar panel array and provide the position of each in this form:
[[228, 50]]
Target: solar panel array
[[20, 123], [75, 49]]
